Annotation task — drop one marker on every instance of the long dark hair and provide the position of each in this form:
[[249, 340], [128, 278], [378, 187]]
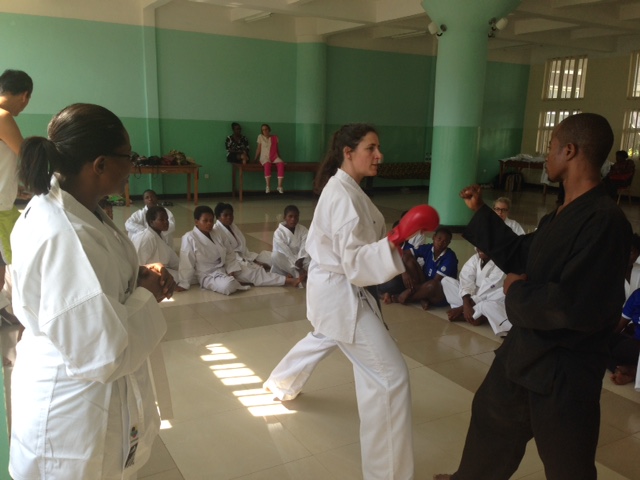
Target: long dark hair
[[349, 135], [78, 134]]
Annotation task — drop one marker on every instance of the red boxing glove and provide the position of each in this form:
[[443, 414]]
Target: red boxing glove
[[420, 217]]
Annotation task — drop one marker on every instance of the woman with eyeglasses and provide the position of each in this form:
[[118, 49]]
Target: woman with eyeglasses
[[501, 206], [83, 404]]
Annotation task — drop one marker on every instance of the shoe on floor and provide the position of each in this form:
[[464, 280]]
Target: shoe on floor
[[280, 190], [267, 190]]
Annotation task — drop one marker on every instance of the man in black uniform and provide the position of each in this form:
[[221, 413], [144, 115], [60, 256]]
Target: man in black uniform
[[564, 293]]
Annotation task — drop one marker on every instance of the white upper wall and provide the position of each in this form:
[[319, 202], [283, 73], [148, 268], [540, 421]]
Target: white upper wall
[[535, 31]]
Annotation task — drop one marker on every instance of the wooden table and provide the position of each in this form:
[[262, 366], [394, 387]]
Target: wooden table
[[241, 168], [519, 165], [188, 170]]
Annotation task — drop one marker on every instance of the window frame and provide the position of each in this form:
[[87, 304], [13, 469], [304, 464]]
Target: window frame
[[630, 140], [562, 80], [547, 121], [634, 75]]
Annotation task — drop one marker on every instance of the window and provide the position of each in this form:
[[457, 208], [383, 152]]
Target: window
[[548, 120], [565, 78], [631, 133], [634, 76]]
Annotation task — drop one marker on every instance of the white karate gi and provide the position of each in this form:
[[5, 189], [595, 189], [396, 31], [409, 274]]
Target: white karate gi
[[288, 248], [349, 251], [485, 287], [634, 283], [515, 226], [248, 272], [152, 249], [206, 260], [137, 223], [81, 389]]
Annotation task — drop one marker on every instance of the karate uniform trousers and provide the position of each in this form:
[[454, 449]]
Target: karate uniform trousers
[[349, 252]]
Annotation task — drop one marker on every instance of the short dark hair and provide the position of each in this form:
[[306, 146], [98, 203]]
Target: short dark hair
[[590, 133], [15, 82], [444, 230], [148, 190], [201, 210], [152, 213], [622, 155], [234, 125], [291, 208], [221, 207]]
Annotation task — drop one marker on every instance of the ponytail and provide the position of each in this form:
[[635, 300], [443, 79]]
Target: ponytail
[[349, 135], [38, 159]]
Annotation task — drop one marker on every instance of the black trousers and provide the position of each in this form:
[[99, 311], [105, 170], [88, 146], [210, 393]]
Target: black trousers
[[505, 416]]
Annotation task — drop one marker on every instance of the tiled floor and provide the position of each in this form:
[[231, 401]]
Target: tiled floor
[[219, 350]]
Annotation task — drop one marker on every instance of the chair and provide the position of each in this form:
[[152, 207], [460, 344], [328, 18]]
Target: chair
[[621, 176], [623, 184], [624, 191]]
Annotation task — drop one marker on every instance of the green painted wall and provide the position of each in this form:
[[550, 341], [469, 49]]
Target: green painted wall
[[205, 82], [502, 117]]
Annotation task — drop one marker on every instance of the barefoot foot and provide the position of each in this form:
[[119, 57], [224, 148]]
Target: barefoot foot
[[455, 314], [624, 374]]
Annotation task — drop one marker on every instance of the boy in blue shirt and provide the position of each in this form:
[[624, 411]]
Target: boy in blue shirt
[[426, 266]]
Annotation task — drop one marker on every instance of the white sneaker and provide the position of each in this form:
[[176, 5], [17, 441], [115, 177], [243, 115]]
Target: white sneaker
[[267, 190], [280, 190]]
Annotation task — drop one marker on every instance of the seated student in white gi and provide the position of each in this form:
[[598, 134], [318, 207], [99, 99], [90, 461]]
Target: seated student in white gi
[[477, 296], [137, 224], [203, 258], [251, 264], [632, 276], [150, 245], [289, 256], [502, 206]]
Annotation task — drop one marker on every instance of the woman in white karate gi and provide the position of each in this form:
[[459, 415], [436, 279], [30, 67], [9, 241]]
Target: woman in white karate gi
[[349, 252], [150, 245], [83, 403]]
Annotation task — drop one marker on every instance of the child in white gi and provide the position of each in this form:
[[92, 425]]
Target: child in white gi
[[477, 296], [289, 256], [151, 247], [252, 265], [203, 258], [137, 223]]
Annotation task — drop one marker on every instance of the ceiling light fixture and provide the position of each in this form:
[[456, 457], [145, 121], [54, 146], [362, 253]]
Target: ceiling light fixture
[[257, 17]]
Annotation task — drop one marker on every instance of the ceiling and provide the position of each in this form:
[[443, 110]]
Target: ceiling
[[586, 26]]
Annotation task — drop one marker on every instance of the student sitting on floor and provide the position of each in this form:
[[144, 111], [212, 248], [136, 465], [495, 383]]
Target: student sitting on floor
[[426, 266], [624, 345], [251, 265], [289, 256], [136, 223], [233, 238], [150, 245], [477, 296], [203, 258], [502, 206], [632, 276]]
